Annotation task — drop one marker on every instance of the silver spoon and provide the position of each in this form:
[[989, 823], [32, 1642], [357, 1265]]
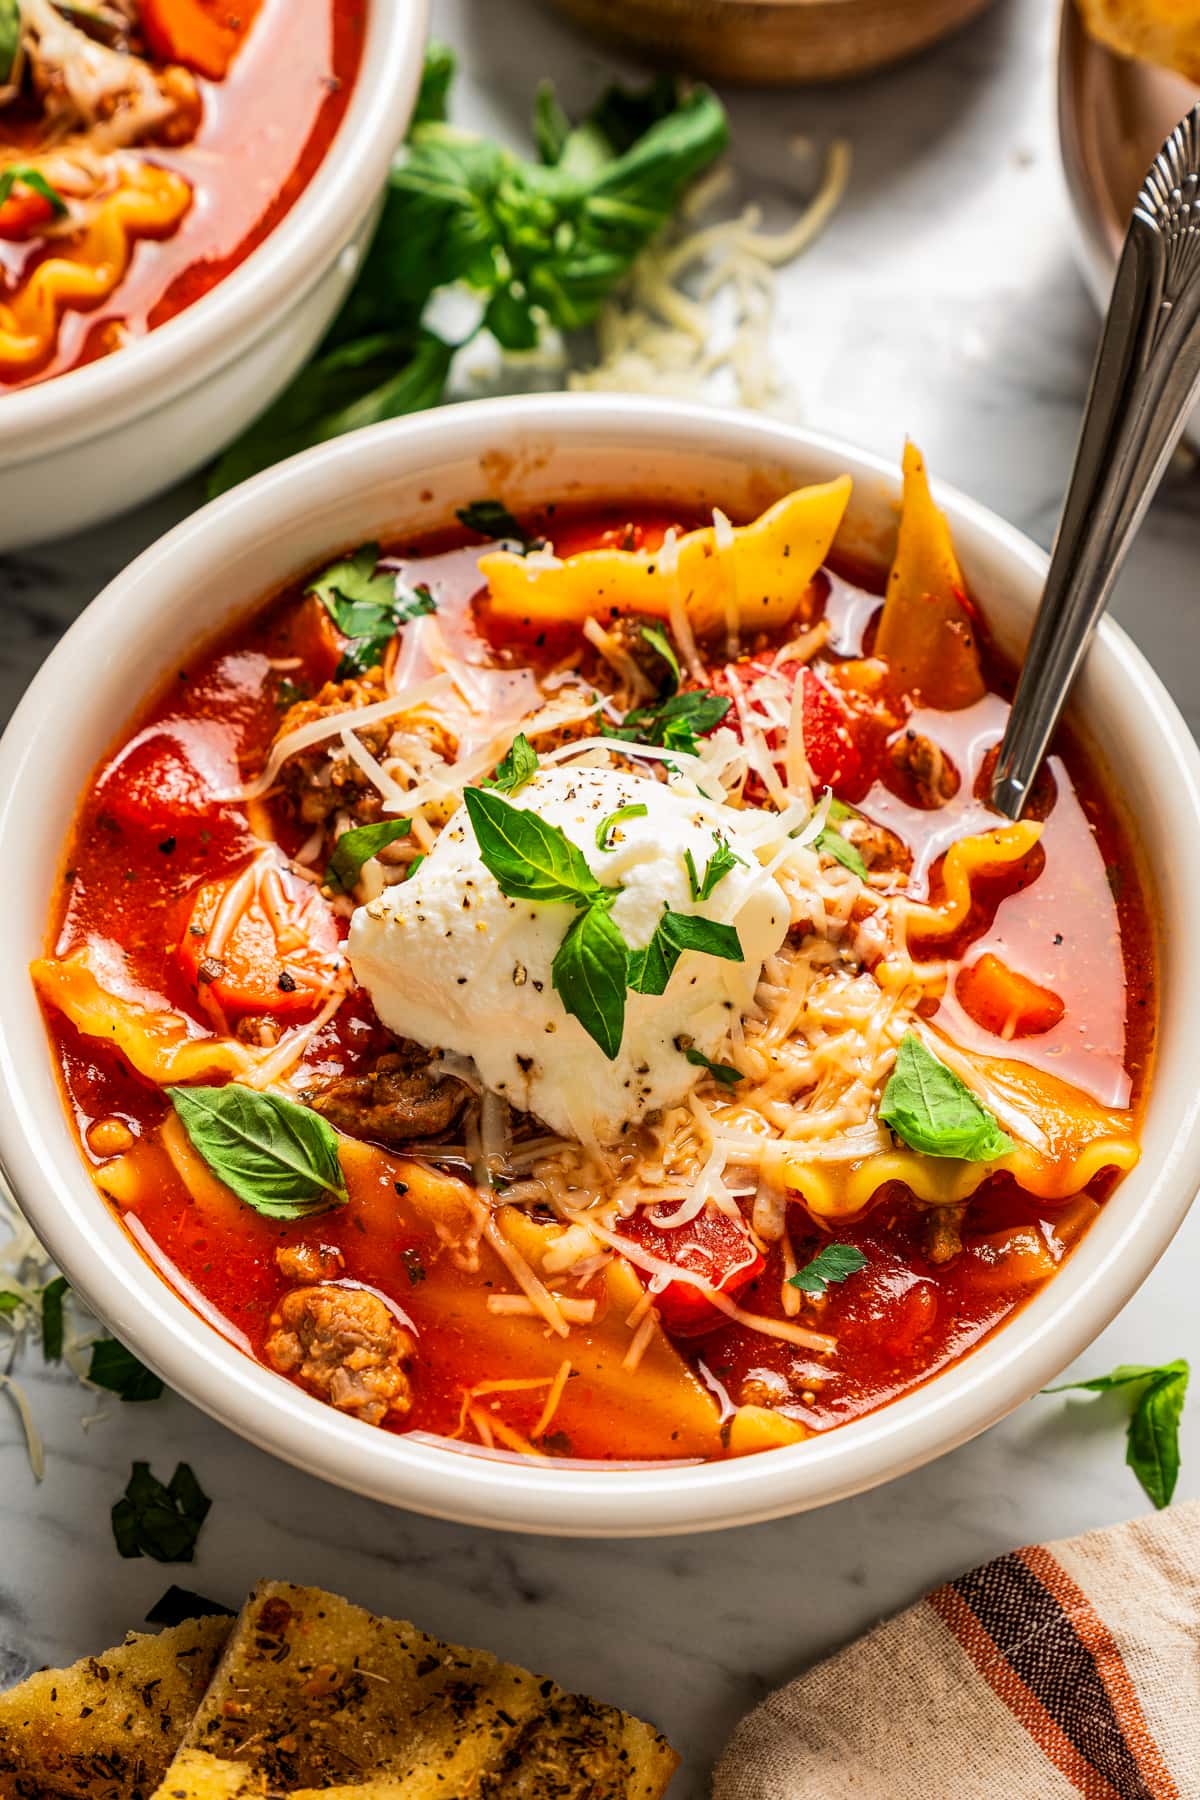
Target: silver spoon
[[1145, 381]]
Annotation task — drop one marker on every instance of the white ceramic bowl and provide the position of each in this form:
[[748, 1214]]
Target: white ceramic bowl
[[407, 477], [91, 442]]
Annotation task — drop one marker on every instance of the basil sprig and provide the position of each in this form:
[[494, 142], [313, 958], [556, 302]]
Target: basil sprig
[[356, 847], [651, 969], [114, 1367], [658, 640], [593, 967], [612, 819], [160, 1521], [725, 1073], [492, 519], [368, 606], [280, 1158], [25, 173], [514, 770], [932, 1111], [676, 723], [835, 1262], [722, 860], [834, 844], [53, 1295], [1156, 1395]]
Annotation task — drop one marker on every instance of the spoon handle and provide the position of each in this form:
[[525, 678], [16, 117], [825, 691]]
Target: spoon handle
[[1144, 383]]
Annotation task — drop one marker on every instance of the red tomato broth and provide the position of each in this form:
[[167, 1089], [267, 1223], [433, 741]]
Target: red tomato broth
[[898, 1322], [266, 126]]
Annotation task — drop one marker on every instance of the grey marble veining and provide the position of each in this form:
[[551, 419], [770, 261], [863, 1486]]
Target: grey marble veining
[[944, 302]]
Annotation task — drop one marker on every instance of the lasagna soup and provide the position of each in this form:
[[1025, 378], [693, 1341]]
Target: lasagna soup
[[146, 147], [560, 989]]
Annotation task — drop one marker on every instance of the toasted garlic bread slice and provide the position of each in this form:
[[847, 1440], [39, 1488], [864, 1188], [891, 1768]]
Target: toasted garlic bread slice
[[315, 1696], [108, 1726]]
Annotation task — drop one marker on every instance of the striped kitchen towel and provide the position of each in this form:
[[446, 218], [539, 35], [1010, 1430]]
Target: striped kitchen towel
[[1060, 1670]]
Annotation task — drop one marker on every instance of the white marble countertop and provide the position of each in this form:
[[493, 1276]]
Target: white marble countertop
[[943, 302]]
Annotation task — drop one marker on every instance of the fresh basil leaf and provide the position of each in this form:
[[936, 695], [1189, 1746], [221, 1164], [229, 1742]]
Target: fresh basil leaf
[[725, 1073], [351, 384], [436, 77], [588, 973], [834, 1262], [650, 969], [514, 770], [53, 1295], [368, 606], [178, 1605], [1157, 1393], [415, 864], [412, 602], [658, 640], [10, 37], [637, 811], [280, 1158], [25, 173], [551, 126], [157, 1521], [676, 723], [530, 859], [492, 519], [835, 845], [722, 860], [356, 847], [932, 1111], [511, 320], [114, 1367]]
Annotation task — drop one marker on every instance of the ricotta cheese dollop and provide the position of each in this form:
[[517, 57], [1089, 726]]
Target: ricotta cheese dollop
[[450, 961]]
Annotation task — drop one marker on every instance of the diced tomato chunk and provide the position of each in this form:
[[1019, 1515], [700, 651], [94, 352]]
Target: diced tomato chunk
[[24, 214], [833, 755], [155, 787], [261, 941], [203, 35], [713, 1246], [1005, 1002]]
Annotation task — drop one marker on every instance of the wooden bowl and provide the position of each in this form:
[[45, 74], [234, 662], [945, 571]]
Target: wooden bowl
[[778, 42]]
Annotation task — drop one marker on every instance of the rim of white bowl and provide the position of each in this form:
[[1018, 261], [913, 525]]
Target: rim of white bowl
[[43, 1163], [92, 400]]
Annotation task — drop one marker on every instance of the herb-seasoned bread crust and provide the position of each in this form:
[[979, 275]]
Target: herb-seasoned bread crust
[[316, 1696], [107, 1728]]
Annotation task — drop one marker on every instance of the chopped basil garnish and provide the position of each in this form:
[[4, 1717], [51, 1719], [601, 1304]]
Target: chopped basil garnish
[[932, 1111], [651, 969], [658, 640], [515, 769], [835, 845], [114, 1367], [10, 1302], [24, 173], [676, 723], [637, 811], [589, 977], [53, 1295], [358, 846], [280, 1158], [719, 864], [162, 1522], [1156, 1395], [368, 606], [835, 1262], [492, 519], [725, 1073]]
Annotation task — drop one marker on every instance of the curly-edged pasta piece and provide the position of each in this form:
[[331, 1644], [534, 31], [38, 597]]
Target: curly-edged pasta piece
[[753, 577], [968, 858], [150, 202], [927, 632], [1076, 1139]]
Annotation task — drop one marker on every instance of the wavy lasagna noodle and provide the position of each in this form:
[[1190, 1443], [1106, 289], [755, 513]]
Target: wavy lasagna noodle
[[867, 1062], [123, 195]]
